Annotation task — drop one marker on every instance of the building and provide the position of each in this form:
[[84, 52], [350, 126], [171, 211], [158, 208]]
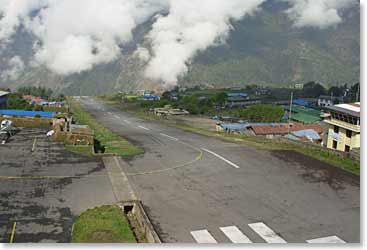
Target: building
[[167, 110], [327, 101], [343, 127], [280, 129], [240, 100], [3, 99]]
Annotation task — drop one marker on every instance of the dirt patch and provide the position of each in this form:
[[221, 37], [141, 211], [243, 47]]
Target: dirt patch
[[314, 170]]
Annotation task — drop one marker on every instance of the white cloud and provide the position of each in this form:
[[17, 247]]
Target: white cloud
[[76, 35], [15, 68], [190, 27], [13, 12], [317, 13]]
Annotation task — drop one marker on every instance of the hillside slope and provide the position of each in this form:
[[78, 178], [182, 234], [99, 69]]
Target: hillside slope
[[263, 49]]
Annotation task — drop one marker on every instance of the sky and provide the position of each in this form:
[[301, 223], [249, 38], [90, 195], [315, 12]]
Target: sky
[[75, 36]]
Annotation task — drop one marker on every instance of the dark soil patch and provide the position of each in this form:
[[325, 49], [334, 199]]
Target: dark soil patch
[[318, 171]]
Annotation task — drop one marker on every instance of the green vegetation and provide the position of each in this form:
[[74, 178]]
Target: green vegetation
[[80, 149], [107, 141], [43, 92], [262, 113], [105, 224]]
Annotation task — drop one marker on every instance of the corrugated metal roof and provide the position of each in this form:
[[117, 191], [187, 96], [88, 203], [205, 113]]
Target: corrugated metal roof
[[237, 94], [307, 133], [282, 129], [234, 126], [2, 93]]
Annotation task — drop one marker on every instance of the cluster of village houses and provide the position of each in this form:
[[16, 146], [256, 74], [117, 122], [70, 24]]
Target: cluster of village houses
[[321, 121]]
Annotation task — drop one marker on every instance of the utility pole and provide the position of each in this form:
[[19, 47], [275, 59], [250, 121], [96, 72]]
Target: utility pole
[[290, 114]]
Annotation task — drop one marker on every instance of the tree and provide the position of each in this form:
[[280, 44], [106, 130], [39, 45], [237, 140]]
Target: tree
[[312, 89], [262, 113]]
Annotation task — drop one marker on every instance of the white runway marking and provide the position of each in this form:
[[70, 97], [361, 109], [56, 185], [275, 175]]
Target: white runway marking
[[266, 233], [330, 239], [117, 117], [203, 236], [168, 136], [127, 121], [109, 113], [143, 128], [235, 234], [221, 157]]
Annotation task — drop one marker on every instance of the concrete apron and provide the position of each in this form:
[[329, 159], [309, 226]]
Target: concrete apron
[[127, 200]]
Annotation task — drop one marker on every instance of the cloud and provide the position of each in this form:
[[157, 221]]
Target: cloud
[[13, 12], [317, 13], [73, 36], [190, 27], [15, 68]]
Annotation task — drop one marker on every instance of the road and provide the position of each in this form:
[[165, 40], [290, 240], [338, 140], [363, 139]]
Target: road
[[201, 189]]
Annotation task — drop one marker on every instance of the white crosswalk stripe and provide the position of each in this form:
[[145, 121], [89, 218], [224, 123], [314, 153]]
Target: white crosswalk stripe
[[330, 239], [266, 233], [203, 236], [235, 234]]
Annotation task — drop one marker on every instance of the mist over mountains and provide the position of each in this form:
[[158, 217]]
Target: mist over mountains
[[264, 42]]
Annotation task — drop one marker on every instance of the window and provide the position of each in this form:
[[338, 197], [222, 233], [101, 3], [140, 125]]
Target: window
[[347, 148], [336, 129], [349, 133], [335, 144]]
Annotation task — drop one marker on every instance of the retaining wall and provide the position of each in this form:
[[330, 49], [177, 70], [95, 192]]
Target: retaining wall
[[142, 220]]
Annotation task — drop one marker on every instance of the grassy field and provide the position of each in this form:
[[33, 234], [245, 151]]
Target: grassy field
[[105, 224], [109, 142]]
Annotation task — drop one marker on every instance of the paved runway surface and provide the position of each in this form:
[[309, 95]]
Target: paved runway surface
[[200, 189]]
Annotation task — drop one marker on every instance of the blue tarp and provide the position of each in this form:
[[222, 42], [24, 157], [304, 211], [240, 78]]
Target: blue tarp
[[234, 126], [13, 112], [237, 94], [308, 133], [301, 102], [151, 97]]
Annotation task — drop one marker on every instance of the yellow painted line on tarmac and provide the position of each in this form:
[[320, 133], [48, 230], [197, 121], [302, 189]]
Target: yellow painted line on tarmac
[[13, 232], [45, 177], [198, 158]]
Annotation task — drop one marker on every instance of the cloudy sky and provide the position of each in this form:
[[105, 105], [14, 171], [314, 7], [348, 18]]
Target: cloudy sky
[[73, 36]]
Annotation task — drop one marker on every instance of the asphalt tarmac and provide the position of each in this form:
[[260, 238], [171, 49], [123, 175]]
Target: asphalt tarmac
[[45, 190], [194, 187]]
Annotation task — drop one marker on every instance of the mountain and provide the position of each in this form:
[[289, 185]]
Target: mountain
[[262, 49]]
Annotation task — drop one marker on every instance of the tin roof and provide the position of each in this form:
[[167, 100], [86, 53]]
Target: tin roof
[[353, 109], [282, 129]]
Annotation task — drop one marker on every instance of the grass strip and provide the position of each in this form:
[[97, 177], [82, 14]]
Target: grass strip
[[111, 142], [105, 224]]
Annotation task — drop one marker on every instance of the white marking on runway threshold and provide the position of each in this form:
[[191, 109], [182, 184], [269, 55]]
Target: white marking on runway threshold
[[143, 128], [117, 117], [127, 121], [203, 236], [221, 157], [235, 234], [168, 136], [266, 233], [330, 239]]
